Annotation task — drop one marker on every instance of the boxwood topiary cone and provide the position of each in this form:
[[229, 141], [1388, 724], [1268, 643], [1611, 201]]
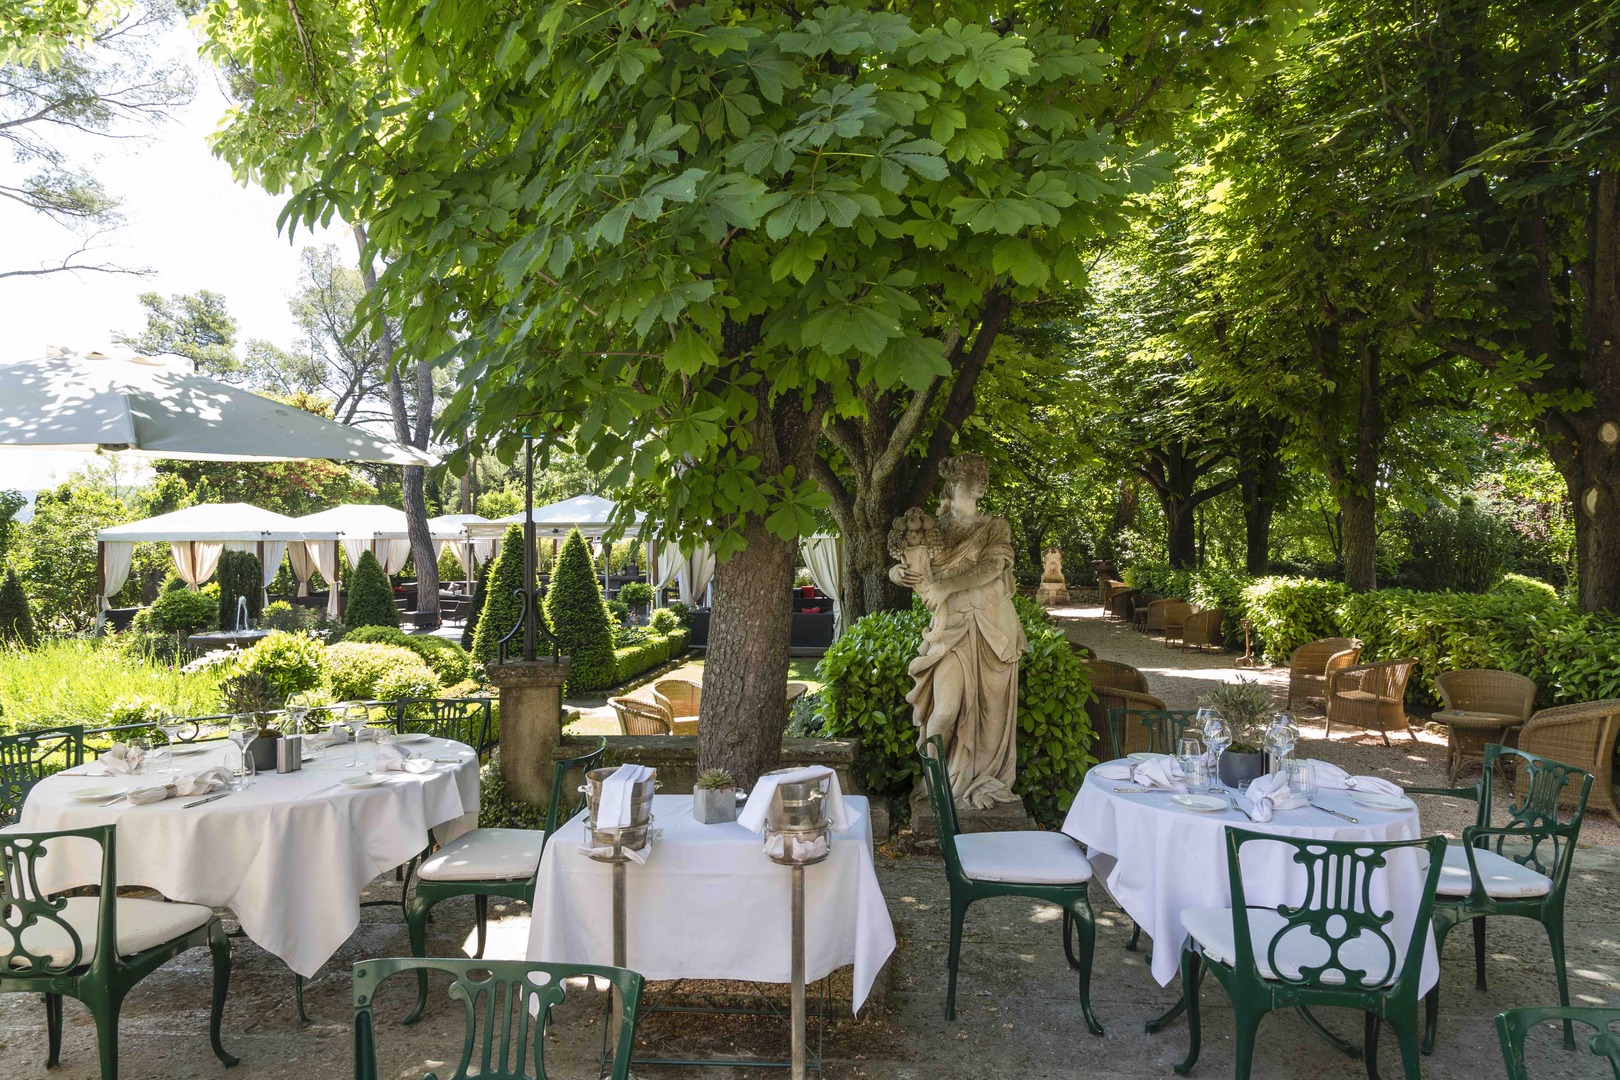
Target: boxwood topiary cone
[[238, 574], [371, 598], [579, 618], [16, 621], [475, 610], [499, 608]]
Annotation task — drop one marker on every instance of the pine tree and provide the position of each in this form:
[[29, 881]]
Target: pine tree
[[579, 618], [238, 574], [371, 598], [16, 621], [499, 609]]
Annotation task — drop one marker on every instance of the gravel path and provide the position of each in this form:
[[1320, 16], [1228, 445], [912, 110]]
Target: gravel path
[[1183, 677]]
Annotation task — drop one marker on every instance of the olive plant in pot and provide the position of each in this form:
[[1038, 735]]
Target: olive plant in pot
[[1244, 705], [714, 797]]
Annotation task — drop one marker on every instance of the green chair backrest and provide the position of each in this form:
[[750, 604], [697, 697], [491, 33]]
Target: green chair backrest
[[1546, 840], [28, 909], [1512, 1025], [507, 1005], [466, 720], [559, 778], [1164, 727], [938, 779], [27, 757], [1337, 909]]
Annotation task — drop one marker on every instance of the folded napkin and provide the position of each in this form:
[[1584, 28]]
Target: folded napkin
[[613, 809], [637, 857], [1114, 770], [398, 759], [754, 812], [197, 783], [121, 760], [1331, 776], [1270, 793], [799, 848], [1161, 773]]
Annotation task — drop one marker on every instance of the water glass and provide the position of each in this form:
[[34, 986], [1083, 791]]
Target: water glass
[[1195, 772], [1301, 778], [1189, 749], [141, 749], [382, 740]]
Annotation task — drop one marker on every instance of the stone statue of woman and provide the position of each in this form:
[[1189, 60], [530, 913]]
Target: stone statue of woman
[[967, 673]]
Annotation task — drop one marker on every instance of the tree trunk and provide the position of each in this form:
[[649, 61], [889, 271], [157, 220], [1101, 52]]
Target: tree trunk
[[1590, 464], [1257, 513], [1180, 536], [1360, 541], [866, 550]]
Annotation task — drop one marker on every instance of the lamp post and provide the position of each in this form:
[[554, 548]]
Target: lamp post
[[531, 608]]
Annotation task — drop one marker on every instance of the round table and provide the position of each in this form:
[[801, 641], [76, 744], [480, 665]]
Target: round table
[[289, 855], [1159, 859]]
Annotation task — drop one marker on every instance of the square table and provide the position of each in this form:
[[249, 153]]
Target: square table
[[710, 904]]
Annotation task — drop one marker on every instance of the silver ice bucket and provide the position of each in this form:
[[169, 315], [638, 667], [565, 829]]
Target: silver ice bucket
[[799, 806], [640, 799]]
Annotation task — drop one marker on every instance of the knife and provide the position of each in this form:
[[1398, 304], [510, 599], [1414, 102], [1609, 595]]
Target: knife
[[207, 799]]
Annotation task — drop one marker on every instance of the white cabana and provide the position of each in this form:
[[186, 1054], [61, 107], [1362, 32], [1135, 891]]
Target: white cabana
[[587, 513], [824, 558], [196, 536], [359, 528], [450, 531]]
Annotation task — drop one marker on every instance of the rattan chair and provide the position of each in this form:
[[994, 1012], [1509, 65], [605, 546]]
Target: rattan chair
[[1110, 699], [1112, 673], [1119, 602], [682, 697], [1370, 696], [1107, 589], [1147, 612], [1310, 665], [1481, 706], [1176, 613], [1084, 652], [1203, 628], [1581, 735], [638, 717]]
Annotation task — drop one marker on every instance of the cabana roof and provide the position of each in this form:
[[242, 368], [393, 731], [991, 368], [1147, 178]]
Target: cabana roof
[[208, 522], [587, 513]]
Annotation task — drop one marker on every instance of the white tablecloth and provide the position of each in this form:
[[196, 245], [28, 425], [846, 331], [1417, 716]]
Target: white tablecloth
[[289, 856], [709, 904], [1160, 859]]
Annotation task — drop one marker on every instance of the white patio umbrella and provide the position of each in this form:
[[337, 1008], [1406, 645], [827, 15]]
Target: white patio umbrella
[[95, 402]]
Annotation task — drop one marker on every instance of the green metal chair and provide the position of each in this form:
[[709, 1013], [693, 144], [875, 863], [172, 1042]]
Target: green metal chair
[[27, 757], [1509, 869], [484, 863], [508, 1006], [1332, 950], [1163, 726], [94, 948], [1036, 865], [1512, 1025], [465, 720]]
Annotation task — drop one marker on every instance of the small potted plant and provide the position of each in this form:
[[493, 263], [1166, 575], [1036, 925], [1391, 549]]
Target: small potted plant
[[1244, 705], [714, 797]]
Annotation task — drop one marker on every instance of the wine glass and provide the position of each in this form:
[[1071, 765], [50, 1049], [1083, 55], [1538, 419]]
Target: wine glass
[[1190, 753], [298, 709], [171, 726], [1281, 738], [243, 730], [1217, 736], [354, 718]]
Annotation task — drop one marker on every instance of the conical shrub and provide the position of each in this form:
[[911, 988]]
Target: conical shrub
[[238, 574], [371, 598], [16, 621], [579, 618], [475, 610], [500, 607]]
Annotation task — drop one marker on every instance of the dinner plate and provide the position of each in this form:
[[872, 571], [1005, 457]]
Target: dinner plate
[[100, 793], [1202, 803], [1372, 800], [1142, 755], [412, 737], [368, 780], [187, 750]]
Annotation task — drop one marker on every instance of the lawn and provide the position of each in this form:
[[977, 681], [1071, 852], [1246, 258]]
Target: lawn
[[93, 682]]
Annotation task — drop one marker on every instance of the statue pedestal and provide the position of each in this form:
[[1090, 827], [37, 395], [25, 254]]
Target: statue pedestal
[[1004, 817], [1052, 593], [531, 723]]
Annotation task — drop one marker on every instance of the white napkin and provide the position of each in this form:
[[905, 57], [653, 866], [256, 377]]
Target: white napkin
[[758, 806], [1161, 773], [197, 783], [1271, 792], [613, 810], [1331, 776], [1113, 771], [398, 759], [121, 760], [637, 857], [800, 849]]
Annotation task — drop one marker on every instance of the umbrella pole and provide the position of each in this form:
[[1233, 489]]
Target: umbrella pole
[[530, 607]]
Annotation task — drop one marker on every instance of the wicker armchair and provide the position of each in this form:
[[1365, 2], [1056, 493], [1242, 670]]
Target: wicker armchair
[[1176, 613], [1135, 737], [1112, 673], [1107, 589], [1482, 706], [1153, 618], [1084, 652], [638, 717], [1581, 735], [1310, 665], [1370, 696], [681, 697], [1119, 602], [1203, 628]]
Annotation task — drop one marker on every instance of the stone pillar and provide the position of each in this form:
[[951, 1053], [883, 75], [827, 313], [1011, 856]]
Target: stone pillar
[[531, 723]]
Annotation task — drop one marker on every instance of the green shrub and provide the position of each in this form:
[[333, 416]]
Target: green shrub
[[238, 575], [172, 582], [16, 622], [501, 608], [371, 598], [354, 669], [652, 650], [866, 681], [663, 620], [449, 661], [682, 610], [579, 619], [1525, 588], [1460, 549], [180, 612], [1288, 612], [499, 810], [636, 592], [475, 610], [406, 682], [291, 663], [618, 613], [450, 568]]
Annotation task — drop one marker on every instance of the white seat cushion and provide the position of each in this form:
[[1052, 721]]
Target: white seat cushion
[[1025, 858], [1504, 879], [142, 925], [486, 855], [1212, 929]]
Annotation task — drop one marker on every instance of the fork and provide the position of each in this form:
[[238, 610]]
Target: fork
[[1239, 809]]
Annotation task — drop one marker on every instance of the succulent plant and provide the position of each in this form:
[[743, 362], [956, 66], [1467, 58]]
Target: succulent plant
[[715, 780]]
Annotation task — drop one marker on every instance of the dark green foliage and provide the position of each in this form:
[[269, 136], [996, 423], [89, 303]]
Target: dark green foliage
[[180, 612], [619, 612], [499, 810], [1290, 612], [579, 618], [636, 592], [1463, 548], [16, 622], [371, 598], [682, 610], [500, 607], [476, 610], [248, 692], [172, 582], [649, 652], [238, 574], [864, 697], [449, 661]]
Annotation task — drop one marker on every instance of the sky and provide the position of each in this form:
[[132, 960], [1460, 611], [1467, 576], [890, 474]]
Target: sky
[[186, 219]]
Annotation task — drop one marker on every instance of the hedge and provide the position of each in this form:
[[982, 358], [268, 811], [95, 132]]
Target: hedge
[[864, 697], [449, 661], [239, 575], [1288, 612], [632, 660], [180, 612], [579, 618], [358, 671], [371, 598]]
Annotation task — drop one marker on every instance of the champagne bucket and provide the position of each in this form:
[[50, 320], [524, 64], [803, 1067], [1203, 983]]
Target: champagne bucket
[[631, 838], [798, 847], [799, 806], [640, 799]]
